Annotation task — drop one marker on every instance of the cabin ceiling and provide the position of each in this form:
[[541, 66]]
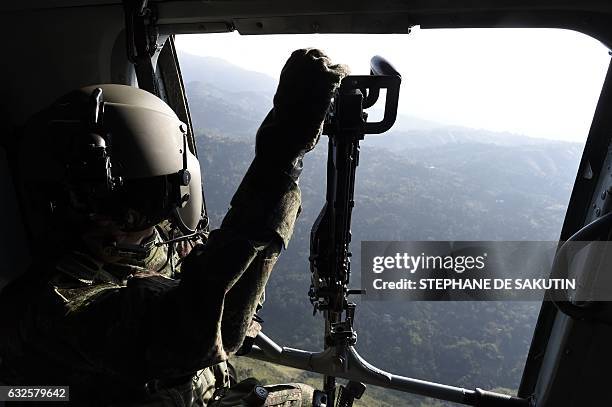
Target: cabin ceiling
[[343, 16]]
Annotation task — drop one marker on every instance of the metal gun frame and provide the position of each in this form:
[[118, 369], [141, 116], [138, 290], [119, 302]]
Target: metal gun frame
[[346, 125], [356, 368]]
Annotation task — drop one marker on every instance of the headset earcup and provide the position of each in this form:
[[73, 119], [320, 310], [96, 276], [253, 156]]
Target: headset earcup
[[190, 214]]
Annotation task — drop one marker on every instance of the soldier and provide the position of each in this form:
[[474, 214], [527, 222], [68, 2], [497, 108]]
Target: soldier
[[125, 315]]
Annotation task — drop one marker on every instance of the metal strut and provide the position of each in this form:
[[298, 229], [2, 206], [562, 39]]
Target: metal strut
[[356, 369], [141, 42]]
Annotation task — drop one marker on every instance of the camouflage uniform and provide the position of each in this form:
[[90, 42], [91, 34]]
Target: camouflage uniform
[[136, 332], [140, 333]]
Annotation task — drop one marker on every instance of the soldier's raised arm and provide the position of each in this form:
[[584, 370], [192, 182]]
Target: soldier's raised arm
[[264, 209]]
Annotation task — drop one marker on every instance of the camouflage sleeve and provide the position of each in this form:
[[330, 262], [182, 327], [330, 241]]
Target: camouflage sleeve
[[223, 281], [266, 203], [261, 221]]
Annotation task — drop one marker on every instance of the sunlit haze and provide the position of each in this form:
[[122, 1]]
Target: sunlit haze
[[536, 82]]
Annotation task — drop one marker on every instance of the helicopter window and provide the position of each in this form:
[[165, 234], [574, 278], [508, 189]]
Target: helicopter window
[[490, 131]]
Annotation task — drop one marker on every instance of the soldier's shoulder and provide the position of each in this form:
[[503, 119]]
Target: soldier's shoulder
[[75, 294], [51, 289], [75, 283]]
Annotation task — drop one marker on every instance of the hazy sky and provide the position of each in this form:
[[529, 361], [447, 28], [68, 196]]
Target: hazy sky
[[537, 82]]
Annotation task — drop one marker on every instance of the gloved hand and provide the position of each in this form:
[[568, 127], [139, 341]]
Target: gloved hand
[[293, 127], [267, 201]]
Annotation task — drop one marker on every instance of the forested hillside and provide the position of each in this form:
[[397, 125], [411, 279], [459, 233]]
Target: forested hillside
[[420, 182]]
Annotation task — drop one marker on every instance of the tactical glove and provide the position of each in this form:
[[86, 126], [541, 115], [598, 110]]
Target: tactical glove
[[268, 200], [293, 127]]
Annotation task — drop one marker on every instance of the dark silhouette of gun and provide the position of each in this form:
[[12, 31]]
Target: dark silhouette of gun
[[346, 125]]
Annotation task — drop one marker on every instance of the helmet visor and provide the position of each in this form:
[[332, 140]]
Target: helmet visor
[[136, 204]]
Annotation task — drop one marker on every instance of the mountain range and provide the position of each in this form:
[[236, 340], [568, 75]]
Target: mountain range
[[420, 181]]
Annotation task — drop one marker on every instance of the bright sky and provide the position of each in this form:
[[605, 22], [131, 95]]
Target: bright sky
[[536, 82]]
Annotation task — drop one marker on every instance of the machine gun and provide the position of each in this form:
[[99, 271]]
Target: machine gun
[[346, 125]]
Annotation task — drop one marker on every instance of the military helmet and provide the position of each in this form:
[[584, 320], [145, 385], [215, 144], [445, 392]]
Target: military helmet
[[115, 151]]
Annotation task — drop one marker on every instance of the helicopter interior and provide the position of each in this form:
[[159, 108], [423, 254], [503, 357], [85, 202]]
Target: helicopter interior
[[52, 47]]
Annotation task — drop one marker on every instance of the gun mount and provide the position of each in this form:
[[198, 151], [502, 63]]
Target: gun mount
[[346, 125]]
